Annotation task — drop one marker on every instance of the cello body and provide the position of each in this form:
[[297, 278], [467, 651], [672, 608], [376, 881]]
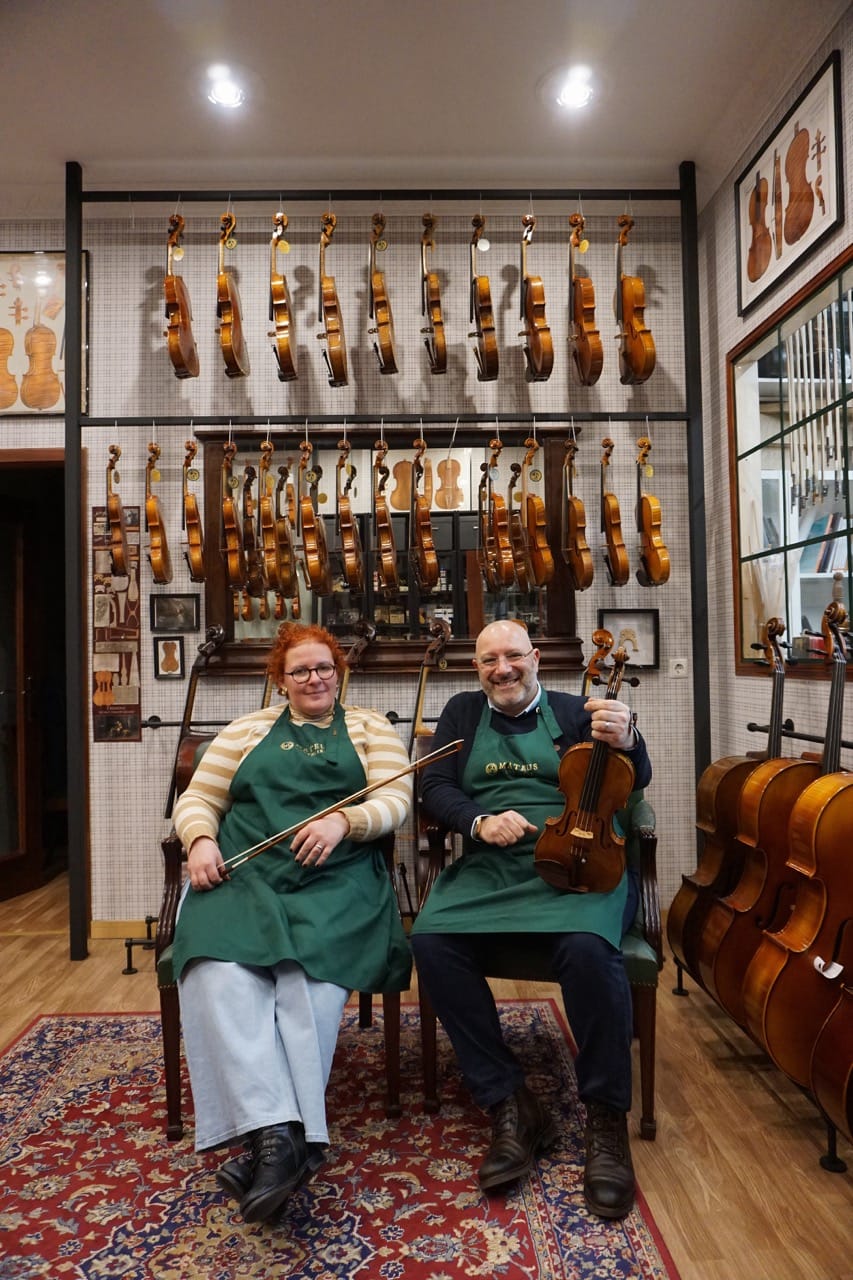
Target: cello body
[[831, 1068]]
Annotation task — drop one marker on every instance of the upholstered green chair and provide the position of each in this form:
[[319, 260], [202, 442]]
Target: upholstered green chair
[[174, 860], [641, 945]]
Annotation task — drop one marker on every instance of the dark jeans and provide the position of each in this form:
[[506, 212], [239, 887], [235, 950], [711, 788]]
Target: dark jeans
[[596, 995]]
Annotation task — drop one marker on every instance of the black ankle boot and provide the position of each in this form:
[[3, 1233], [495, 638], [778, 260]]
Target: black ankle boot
[[521, 1127], [279, 1166], [235, 1176], [608, 1180]]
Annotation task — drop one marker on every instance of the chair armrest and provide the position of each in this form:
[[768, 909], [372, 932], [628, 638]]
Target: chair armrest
[[432, 854], [174, 857]]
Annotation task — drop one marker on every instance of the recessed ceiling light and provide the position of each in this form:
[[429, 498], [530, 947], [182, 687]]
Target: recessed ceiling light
[[224, 90], [575, 89]]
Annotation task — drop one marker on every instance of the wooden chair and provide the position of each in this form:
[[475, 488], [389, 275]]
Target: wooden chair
[[641, 945], [174, 859]]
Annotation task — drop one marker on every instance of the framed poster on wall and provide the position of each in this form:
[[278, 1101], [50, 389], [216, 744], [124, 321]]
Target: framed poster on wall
[[32, 333]]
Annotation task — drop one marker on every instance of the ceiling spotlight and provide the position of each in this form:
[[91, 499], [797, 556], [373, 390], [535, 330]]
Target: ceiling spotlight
[[224, 90], [576, 89]]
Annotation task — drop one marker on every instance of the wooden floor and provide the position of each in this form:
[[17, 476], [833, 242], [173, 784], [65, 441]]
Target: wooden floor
[[733, 1180]]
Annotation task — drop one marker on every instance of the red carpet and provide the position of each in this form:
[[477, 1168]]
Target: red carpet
[[92, 1189]]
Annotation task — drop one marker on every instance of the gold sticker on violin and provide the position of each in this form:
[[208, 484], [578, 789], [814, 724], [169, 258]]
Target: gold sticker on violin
[[311, 476], [233, 482], [177, 253], [283, 246], [381, 246], [193, 473], [650, 471], [231, 242], [583, 246], [155, 474], [322, 498], [535, 475]]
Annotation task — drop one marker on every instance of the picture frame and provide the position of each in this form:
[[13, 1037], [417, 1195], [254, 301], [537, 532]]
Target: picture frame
[[790, 196], [169, 658], [32, 333], [638, 631], [175, 613]]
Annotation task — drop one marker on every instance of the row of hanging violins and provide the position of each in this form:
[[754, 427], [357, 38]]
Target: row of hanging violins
[[636, 346], [765, 923], [265, 526]]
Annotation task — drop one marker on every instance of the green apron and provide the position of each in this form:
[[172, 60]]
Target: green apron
[[340, 921], [497, 890]]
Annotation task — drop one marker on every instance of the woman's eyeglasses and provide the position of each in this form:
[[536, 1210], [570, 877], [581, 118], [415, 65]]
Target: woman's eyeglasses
[[325, 670]]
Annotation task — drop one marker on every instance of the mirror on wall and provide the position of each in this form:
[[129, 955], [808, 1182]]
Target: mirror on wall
[[789, 436]]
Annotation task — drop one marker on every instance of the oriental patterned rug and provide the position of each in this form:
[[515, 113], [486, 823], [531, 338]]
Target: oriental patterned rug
[[91, 1188]]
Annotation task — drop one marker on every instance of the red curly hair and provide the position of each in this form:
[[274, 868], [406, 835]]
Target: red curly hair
[[291, 634]]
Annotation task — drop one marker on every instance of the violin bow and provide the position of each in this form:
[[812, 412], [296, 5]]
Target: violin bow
[[228, 864]]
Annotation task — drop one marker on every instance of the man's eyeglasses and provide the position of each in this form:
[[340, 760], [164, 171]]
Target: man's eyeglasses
[[489, 664], [325, 670]]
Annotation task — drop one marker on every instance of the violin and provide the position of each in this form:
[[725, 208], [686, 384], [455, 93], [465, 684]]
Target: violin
[[434, 339], [232, 532], [335, 350], [228, 309], [580, 851], [40, 385], [449, 495], [351, 552], [119, 554], [255, 581], [762, 898], [158, 550], [318, 568], [267, 536], [576, 552], [794, 980], [386, 548], [8, 383], [486, 553], [518, 541], [503, 564], [584, 339], [379, 305], [535, 524], [800, 207], [615, 555], [654, 557], [183, 351], [288, 582], [366, 634], [192, 516], [761, 246], [482, 316], [422, 547], [538, 344], [283, 331], [637, 354]]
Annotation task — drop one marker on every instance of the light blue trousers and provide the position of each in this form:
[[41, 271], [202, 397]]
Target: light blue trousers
[[259, 1044]]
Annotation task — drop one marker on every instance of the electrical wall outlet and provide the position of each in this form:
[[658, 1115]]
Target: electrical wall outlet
[[678, 668]]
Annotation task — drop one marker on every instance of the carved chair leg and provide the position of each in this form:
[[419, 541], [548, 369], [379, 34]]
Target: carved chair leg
[[391, 1020], [170, 1022], [645, 1016], [429, 1052]]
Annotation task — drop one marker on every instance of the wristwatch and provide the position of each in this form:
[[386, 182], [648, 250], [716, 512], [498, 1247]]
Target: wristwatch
[[478, 822]]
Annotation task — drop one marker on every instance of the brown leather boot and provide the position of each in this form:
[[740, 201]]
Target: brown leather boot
[[608, 1180], [521, 1127]]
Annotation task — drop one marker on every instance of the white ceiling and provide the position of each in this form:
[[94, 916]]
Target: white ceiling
[[386, 94]]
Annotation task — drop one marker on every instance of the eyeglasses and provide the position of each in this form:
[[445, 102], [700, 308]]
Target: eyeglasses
[[325, 670], [489, 664]]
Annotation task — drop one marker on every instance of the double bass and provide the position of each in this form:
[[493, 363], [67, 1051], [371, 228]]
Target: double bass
[[283, 331], [228, 309], [580, 851], [794, 980], [538, 344], [654, 556], [193, 525], [158, 548], [584, 339], [119, 554], [637, 354], [575, 548], [351, 553], [615, 554], [183, 351], [379, 304], [481, 313], [329, 308], [434, 339]]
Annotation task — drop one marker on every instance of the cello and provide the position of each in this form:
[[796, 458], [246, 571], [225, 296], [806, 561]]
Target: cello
[[281, 310], [615, 555], [654, 557], [335, 350], [535, 522], [831, 1066], [538, 344], [794, 980], [580, 851], [379, 304], [481, 313], [228, 308], [584, 339], [575, 548], [183, 351], [119, 554], [637, 354], [421, 543], [434, 339], [318, 569], [386, 547], [158, 550], [192, 517], [351, 553]]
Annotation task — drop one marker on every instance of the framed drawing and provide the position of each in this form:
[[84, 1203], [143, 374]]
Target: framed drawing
[[169, 658], [637, 631], [32, 333], [790, 196], [175, 613]]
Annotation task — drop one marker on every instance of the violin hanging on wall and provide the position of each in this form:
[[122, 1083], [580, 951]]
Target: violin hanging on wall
[[481, 314], [434, 339], [351, 553], [584, 339], [332, 333], [575, 548], [535, 522], [318, 568], [158, 550], [193, 524], [538, 344], [228, 308], [232, 531], [283, 331], [654, 558], [637, 354], [385, 545], [183, 352], [615, 555], [422, 546], [517, 537], [379, 304], [119, 555]]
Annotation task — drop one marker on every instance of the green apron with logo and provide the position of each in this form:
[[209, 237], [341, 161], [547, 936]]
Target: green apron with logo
[[496, 890], [340, 921]]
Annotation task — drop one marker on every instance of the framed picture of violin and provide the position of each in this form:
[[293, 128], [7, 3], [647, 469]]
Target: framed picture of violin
[[790, 195], [635, 629], [169, 658], [32, 333], [175, 613]]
